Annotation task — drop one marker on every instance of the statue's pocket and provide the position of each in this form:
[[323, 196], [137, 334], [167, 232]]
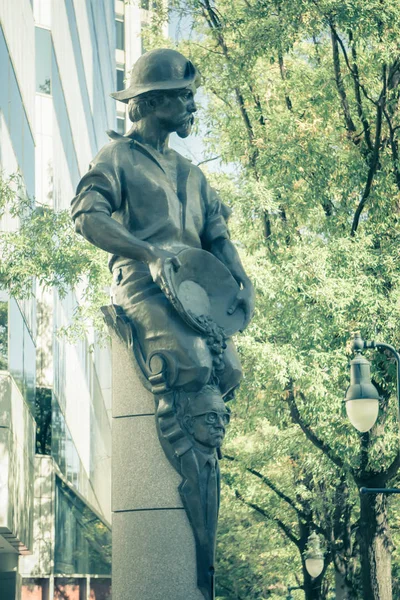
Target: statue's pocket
[[117, 276]]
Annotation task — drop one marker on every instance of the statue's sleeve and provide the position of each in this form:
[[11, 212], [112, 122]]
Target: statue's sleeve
[[99, 191], [217, 215]]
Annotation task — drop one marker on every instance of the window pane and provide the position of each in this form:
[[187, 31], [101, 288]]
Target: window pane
[[82, 541], [29, 370], [16, 345], [71, 588], [120, 80], [43, 61], [43, 420], [143, 36], [34, 589], [100, 589], [121, 125], [119, 27], [4, 336], [22, 355]]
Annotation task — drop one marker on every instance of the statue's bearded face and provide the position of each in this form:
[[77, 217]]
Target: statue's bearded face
[[176, 112]]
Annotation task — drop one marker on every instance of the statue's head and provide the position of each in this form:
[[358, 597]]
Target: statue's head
[[206, 417], [163, 84]]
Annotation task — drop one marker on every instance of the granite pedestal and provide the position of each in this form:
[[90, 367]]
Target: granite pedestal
[[153, 544]]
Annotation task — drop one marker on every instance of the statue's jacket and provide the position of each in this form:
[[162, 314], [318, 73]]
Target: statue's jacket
[[128, 181], [131, 183]]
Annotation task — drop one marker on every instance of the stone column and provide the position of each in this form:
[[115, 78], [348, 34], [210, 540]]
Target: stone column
[[154, 553]]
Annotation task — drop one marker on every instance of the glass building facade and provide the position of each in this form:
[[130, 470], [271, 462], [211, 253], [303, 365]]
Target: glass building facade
[[59, 66]]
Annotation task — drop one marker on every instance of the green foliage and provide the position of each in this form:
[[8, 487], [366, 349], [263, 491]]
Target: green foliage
[[248, 567], [41, 243], [303, 105]]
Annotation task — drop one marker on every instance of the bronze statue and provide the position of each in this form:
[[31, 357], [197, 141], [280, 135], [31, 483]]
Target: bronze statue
[[180, 290]]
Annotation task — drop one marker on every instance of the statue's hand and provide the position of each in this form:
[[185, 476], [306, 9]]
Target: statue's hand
[[157, 262], [246, 299]]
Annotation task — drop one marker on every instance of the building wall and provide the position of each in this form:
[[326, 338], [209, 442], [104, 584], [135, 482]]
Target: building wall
[[17, 368], [57, 59], [17, 452], [17, 25], [17, 118], [72, 114]]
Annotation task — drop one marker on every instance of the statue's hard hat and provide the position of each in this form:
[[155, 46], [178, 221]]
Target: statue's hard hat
[[161, 69]]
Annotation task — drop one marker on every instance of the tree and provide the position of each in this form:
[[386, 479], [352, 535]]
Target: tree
[[304, 100], [58, 259], [277, 476]]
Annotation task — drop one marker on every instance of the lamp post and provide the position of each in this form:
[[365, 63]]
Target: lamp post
[[314, 558], [362, 397], [314, 564]]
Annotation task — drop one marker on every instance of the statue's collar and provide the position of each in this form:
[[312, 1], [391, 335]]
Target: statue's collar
[[149, 151], [184, 165]]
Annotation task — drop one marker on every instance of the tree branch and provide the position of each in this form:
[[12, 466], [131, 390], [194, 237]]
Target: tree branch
[[394, 467], [257, 103], [272, 486], [205, 48], [286, 530], [394, 75], [357, 90], [346, 58], [282, 71], [317, 51], [217, 95], [309, 433], [206, 160], [266, 224], [349, 124], [374, 161], [228, 589], [214, 24], [245, 116], [394, 148], [365, 196]]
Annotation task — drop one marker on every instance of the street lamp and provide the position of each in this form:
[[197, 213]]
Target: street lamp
[[314, 558], [362, 398]]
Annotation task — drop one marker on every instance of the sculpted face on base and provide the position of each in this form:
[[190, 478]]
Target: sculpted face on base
[[206, 419]]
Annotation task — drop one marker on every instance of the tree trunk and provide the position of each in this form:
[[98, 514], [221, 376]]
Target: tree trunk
[[375, 547], [312, 587], [342, 591]]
